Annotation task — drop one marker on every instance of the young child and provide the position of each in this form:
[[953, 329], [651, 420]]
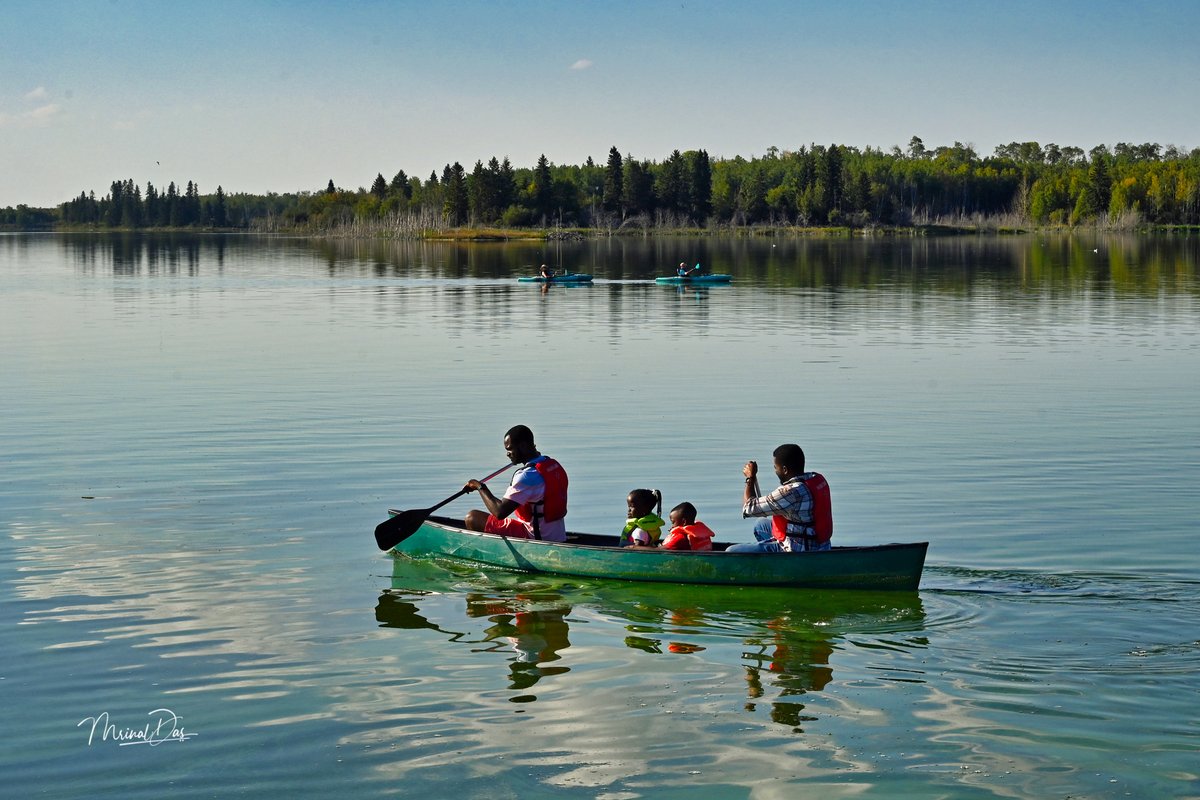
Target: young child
[[644, 526], [686, 533]]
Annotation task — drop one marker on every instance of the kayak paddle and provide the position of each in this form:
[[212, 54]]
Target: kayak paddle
[[394, 530]]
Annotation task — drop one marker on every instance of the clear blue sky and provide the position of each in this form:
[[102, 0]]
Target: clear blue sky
[[283, 96]]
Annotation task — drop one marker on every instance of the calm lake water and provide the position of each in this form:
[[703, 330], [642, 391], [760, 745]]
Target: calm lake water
[[200, 433]]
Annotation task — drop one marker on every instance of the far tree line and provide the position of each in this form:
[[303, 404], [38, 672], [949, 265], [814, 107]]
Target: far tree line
[[816, 185]]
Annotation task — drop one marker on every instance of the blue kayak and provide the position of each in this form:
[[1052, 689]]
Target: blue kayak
[[574, 277], [683, 279]]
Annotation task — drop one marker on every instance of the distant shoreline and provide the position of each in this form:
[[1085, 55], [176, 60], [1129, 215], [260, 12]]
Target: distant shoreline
[[493, 234]]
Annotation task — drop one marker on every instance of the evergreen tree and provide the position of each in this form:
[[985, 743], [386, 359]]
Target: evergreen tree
[[1094, 199], [220, 213], [173, 210], [379, 187], [672, 186], [829, 173], [479, 195], [638, 197], [701, 186], [400, 186], [455, 205], [152, 202], [131, 205], [112, 216], [191, 205], [506, 179], [543, 190], [614, 183]]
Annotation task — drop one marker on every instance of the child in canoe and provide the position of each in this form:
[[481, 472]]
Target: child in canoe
[[686, 533], [644, 526]]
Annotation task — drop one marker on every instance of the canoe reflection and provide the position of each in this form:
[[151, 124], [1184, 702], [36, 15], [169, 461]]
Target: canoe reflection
[[783, 640]]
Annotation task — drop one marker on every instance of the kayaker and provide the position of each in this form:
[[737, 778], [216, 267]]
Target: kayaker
[[546, 272], [683, 270], [798, 515], [536, 496], [644, 526], [686, 533]]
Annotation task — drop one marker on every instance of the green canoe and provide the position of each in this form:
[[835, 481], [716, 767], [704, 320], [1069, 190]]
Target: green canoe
[[888, 566]]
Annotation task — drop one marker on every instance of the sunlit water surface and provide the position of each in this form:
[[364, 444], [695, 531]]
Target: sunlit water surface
[[199, 434]]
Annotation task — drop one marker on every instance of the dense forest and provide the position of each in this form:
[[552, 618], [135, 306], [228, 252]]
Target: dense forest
[[1022, 184]]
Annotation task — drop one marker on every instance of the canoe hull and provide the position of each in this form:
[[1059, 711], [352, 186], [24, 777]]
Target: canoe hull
[[695, 279], [890, 566], [576, 277]]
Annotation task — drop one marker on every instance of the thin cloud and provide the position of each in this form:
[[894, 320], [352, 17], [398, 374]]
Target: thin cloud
[[43, 113], [30, 119], [583, 63], [39, 93]]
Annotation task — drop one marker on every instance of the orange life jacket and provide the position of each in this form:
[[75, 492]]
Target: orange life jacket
[[696, 536], [820, 528]]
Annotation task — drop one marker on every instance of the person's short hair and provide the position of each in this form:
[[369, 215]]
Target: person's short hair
[[686, 510], [790, 456], [519, 433]]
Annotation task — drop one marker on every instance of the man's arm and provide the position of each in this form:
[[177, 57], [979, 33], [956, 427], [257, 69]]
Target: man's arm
[[751, 490], [498, 507]]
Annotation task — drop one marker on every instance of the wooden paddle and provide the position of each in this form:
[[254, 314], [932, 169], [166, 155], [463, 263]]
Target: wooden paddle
[[395, 530]]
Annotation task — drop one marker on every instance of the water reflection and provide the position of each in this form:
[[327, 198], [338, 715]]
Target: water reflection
[[523, 628], [795, 666], [1124, 263], [783, 640]]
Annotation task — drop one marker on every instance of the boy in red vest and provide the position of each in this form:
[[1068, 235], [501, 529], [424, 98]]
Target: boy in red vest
[[686, 533]]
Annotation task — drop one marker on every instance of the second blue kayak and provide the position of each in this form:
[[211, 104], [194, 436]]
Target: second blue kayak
[[712, 278], [574, 277]]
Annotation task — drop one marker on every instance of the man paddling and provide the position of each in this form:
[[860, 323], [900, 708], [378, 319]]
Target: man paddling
[[536, 497], [798, 515]]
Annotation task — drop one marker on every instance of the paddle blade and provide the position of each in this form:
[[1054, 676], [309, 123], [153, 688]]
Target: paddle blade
[[395, 530]]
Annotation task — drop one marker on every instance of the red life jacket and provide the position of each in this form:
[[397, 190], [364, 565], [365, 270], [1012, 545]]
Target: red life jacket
[[820, 529], [553, 506], [696, 536]]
